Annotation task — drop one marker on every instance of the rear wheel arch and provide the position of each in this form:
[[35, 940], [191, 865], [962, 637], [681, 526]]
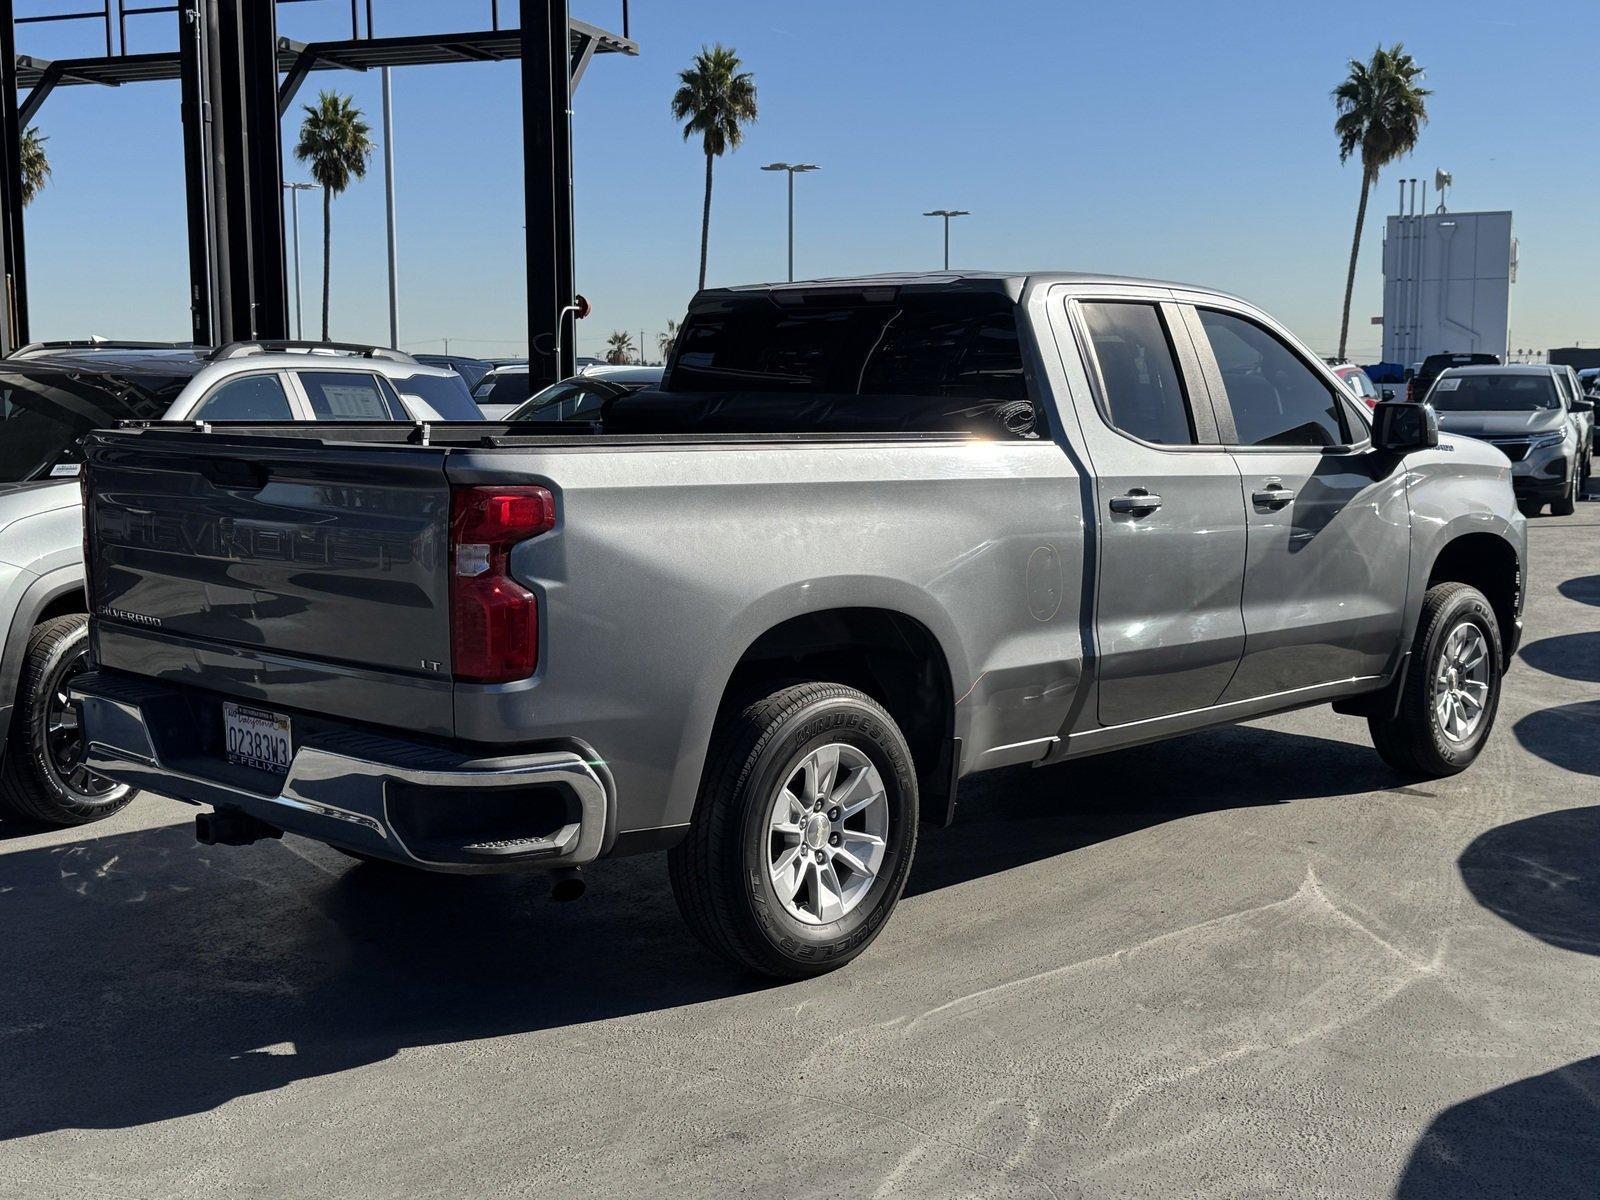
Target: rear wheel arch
[[890, 656]]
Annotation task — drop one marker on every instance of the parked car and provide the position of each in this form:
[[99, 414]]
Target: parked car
[[502, 390], [1359, 383], [584, 395], [1525, 412], [1589, 380], [870, 537], [1582, 416], [1429, 369], [471, 370], [51, 394]]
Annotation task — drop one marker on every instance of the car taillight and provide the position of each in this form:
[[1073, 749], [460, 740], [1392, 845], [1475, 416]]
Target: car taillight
[[1411, 389], [494, 620], [1371, 401]]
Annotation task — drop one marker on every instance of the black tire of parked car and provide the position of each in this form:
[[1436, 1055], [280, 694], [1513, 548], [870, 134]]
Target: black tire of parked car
[[1568, 504], [34, 786], [720, 871], [1413, 742]]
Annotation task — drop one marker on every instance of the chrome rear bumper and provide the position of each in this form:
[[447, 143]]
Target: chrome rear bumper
[[352, 789]]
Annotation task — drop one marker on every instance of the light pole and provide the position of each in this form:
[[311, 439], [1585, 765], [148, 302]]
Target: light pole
[[792, 169], [947, 213], [388, 188], [294, 190]]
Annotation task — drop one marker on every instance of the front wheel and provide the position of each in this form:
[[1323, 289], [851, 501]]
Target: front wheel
[[803, 833], [1452, 689], [44, 779], [1568, 504]]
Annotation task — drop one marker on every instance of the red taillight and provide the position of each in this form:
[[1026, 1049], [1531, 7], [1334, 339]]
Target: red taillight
[[1371, 401], [494, 620], [1411, 389]]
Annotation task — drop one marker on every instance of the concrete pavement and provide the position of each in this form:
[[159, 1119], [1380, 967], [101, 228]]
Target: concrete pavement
[[1248, 963]]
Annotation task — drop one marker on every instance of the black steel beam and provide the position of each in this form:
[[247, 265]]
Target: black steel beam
[[39, 93], [305, 58], [547, 176], [13, 264], [234, 169]]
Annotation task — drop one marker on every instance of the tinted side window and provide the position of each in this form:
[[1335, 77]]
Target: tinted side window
[[1277, 400], [1144, 396], [447, 395], [250, 398], [345, 396]]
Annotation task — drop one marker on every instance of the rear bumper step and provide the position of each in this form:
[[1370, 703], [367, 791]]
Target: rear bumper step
[[412, 805]]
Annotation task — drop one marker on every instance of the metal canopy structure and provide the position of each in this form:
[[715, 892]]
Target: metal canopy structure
[[238, 78]]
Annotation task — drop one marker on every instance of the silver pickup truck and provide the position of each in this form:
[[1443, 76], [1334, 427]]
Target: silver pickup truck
[[869, 537]]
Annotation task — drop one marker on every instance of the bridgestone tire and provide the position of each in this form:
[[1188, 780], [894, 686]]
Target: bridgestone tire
[[1414, 742], [720, 871], [31, 788]]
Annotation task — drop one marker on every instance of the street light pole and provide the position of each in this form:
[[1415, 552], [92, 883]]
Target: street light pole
[[388, 187], [792, 169], [947, 213], [294, 190]]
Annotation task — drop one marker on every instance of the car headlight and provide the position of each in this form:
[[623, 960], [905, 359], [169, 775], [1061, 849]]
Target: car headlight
[[1546, 440]]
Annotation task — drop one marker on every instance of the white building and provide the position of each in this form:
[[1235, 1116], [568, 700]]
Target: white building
[[1447, 284]]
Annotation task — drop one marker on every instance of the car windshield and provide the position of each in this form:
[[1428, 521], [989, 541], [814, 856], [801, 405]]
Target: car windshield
[[1494, 393], [45, 411], [567, 400]]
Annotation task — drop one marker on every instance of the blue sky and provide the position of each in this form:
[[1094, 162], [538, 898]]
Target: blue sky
[[1176, 140]]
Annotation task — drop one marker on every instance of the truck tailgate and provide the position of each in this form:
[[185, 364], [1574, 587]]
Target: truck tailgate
[[295, 563]]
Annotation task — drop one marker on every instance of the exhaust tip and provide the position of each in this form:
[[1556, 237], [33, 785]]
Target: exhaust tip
[[567, 886]]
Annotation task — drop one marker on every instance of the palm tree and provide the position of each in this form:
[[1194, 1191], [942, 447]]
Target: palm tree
[[715, 100], [335, 141], [1382, 110], [621, 346], [664, 341], [35, 164]]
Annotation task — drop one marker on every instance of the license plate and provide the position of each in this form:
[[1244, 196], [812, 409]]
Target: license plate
[[256, 738]]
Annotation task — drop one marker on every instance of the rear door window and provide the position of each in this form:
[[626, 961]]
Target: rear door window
[[248, 398], [349, 396], [1276, 398], [1144, 394]]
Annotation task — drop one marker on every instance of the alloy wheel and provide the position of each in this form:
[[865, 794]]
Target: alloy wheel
[[1461, 682], [63, 741], [828, 831]]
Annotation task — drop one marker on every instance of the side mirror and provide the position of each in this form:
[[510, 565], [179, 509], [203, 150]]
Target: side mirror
[[1386, 393], [1400, 426], [1581, 405]]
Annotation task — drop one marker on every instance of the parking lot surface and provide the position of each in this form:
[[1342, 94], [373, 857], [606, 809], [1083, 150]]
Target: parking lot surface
[[1250, 962]]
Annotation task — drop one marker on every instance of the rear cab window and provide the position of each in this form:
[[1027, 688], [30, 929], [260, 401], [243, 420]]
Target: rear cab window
[[872, 360]]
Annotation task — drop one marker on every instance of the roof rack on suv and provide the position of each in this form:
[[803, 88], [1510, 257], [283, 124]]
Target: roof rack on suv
[[96, 343], [244, 349]]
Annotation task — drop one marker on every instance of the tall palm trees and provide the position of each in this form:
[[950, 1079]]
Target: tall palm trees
[[619, 348], [665, 340], [35, 164], [1382, 110], [335, 140], [716, 100]]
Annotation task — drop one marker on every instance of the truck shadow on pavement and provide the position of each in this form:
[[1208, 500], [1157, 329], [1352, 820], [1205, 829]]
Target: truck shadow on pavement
[[146, 977], [1571, 656], [1567, 735], [1585, 589], [1537, 1136]]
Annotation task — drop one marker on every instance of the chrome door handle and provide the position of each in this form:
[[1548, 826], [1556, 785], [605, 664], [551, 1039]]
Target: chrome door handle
[[1272, 497], [1137, 501]]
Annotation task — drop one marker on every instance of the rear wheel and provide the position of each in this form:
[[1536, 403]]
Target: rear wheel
[[44, 778], [1452, 689], [803, 834]]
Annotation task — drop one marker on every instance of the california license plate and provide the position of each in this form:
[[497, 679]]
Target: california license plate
[[256, 738]]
